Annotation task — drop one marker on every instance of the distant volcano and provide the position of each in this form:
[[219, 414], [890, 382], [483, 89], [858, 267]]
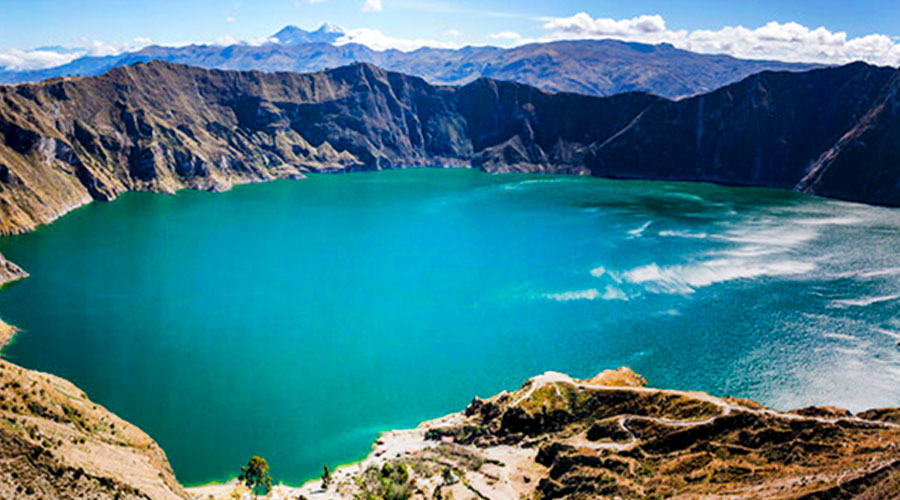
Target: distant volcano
[[292, 35]]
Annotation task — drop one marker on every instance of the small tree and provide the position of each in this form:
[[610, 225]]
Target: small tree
[[326, 478], [256, 476]]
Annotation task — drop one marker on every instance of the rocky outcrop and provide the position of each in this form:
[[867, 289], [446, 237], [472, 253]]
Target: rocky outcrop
[[10, 272], [610, 437], [163, 127], [57, 444]]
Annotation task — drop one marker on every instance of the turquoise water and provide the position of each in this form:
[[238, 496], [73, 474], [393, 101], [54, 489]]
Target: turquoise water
[[296, 319]]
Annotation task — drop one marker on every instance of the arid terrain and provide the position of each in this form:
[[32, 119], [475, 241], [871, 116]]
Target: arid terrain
[[611, 437], [57, 444]]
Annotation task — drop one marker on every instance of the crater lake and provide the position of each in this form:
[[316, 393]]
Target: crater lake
[[296, 319]]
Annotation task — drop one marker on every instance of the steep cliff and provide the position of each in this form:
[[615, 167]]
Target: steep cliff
[[163, 127], [772, 129], [56, 444]]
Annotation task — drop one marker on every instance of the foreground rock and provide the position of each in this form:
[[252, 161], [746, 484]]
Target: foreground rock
[[163, 127], [555, 437], [56, 444], [610, 437]]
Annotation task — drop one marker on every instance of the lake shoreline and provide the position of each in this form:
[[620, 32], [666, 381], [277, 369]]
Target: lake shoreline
[[9, 273], [516, 192], [532, 463]]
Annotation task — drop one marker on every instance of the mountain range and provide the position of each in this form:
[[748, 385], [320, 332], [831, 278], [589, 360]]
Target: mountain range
[[594, 67], [162, 127]]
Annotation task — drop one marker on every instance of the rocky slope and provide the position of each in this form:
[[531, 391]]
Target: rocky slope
[[56, 444], [10, 272], [163, 127], [595, 67], [610, 437]]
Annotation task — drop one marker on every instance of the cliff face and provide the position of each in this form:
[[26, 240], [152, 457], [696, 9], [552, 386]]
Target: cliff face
[[163, 127], [611, 437], [773, 129], [57, 444]]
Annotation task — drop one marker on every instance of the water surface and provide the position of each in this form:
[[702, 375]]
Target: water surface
[[296, 319]]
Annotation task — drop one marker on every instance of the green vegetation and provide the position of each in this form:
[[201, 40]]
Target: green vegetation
[[464, 434], [391, 482], [256, 476], [326, 478]]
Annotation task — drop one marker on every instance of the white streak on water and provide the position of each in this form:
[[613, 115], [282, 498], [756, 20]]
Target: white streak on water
[[831, 221], [589, 294], [839, 336], [762, 247], [613, 293], [863, 301], [637, 233], [610, 293], [872, 273], [889, 333], [687, 278], [683, 234]]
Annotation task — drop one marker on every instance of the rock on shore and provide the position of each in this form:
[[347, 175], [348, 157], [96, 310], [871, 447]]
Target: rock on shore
[[10, 272], [611, 437]]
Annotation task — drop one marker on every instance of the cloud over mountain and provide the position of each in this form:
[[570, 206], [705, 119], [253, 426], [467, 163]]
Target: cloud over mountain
[[789, 41], [783, 41], [49, 57]]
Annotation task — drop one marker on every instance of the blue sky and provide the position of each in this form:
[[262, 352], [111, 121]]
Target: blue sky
[[109, 26]]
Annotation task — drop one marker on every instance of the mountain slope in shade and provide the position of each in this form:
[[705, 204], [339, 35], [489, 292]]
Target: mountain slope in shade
[[773, 129], [163, 127], [594, 67]]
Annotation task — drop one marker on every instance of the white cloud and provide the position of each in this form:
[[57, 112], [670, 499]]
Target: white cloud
[[377, 40], [16, 59], [224, 41], [229, 20], [372, 6], [24, 60], [505, 35], [582, 23], [783, 41], [508, 38], [101, 48]]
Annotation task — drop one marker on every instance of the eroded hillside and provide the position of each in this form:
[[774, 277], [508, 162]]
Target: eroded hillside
[[611, 437], [57, 444]]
